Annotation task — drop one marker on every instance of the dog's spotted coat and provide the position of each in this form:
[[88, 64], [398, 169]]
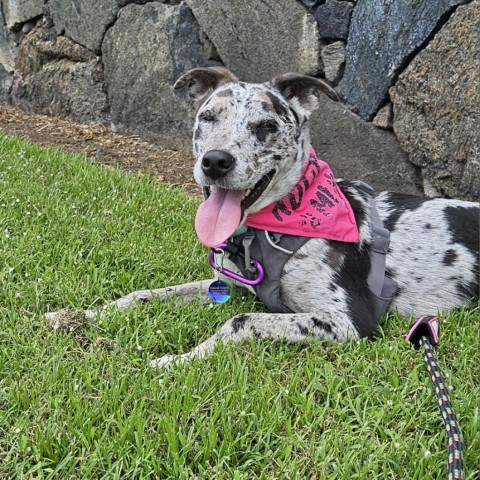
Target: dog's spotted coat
[[433, 253]]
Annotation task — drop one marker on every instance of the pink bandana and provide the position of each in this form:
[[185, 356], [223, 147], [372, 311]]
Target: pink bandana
[[315, 208]]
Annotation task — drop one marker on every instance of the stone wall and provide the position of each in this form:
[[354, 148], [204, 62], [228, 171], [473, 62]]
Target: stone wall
[[408, 73]]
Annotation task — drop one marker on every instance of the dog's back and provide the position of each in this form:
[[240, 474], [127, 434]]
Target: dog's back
[[433, 258], [434, 251]]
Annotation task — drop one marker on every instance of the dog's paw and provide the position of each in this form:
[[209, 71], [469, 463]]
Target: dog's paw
[[169, 361]]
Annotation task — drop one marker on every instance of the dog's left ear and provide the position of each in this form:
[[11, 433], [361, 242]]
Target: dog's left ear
[[303, 89], [201, 82]]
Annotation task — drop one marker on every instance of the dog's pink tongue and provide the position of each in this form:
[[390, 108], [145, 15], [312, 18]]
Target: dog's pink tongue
[[218, 216]]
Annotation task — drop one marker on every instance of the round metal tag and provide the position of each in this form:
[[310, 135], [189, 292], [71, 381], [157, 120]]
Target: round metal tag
[[219, 291]]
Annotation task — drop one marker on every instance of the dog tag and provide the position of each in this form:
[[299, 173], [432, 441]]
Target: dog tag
[[219, 291]]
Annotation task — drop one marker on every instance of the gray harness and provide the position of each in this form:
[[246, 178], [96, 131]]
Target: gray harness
[[273, 250]]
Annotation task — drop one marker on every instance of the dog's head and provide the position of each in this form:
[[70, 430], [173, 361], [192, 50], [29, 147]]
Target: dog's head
[[250, 142]]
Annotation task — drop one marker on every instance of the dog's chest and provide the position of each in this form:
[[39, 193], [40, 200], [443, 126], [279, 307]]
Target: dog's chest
[[309, 280]]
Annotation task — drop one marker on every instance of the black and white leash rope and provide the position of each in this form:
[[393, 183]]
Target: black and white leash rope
[[454, 436], [424, 334]]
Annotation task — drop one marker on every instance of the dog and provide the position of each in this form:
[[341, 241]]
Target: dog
[[252, 148]]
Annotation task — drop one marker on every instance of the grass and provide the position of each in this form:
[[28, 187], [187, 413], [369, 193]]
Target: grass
[[85, 405]]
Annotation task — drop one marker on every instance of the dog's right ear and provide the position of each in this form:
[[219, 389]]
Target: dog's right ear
[[201, 82]]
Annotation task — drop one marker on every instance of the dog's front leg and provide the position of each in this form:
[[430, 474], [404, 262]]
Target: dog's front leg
[[294, 327], [187, 292]]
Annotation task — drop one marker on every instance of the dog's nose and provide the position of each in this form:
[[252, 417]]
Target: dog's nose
[[217, 163]]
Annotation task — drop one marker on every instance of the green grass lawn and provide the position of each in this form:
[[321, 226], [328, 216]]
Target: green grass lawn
[[85, 405]]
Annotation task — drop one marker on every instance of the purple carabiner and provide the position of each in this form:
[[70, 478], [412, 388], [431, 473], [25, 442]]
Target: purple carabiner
[[228, 273]]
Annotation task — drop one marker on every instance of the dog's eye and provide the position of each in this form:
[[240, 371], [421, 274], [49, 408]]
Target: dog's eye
[[207, 116], [264, 128]]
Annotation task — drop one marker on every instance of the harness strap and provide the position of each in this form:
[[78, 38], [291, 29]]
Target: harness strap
[[273, 250], [380, 285], [379, 248]]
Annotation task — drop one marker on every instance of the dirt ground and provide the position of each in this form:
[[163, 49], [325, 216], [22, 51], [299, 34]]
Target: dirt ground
[[126, 151]]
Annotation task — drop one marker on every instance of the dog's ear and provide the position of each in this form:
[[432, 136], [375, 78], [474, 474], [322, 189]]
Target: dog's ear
[[303, 89], [201, 82]]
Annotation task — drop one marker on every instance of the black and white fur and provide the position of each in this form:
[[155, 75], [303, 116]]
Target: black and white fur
[[433, 253]]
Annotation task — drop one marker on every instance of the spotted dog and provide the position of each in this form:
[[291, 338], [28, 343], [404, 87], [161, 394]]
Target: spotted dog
[[252, 146]]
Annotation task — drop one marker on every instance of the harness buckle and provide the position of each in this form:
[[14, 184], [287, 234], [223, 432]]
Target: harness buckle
[[247, 242]]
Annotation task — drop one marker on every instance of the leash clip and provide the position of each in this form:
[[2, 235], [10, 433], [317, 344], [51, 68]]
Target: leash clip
[[426, 326], [255, 266]]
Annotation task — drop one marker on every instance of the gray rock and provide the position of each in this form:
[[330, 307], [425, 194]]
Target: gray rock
[[333, 19], [208, 47], [56, 76], [356, 149], [28, 27], [311, 3], [8, 48], [18, 12], [384, 116], [146, 50], [6, 79], [122, 3], [333, 57], [436, 105], [309, 62], [260, 39], [430, 190], [383, 35], [84, 21]]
